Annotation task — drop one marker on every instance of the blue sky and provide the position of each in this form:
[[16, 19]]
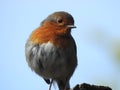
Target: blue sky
[[97, 32]]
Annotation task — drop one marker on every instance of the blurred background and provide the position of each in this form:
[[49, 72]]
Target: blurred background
[[97, 37]]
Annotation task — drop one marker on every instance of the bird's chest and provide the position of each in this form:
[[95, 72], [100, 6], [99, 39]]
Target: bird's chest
[[46, 58]]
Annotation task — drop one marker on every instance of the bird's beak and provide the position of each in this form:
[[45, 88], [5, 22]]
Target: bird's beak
[[71, 26]]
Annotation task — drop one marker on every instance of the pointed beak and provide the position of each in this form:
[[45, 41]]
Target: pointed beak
[[71, 26]]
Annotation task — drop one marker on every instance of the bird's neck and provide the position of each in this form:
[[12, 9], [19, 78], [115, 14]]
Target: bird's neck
[[39, 37]]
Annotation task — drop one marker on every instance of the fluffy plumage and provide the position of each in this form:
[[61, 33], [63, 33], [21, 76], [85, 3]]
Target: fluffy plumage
[[51, 50]]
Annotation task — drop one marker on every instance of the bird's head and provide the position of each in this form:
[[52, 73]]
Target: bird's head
[[59, 22]]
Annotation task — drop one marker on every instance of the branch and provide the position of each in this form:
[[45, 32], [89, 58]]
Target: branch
[[86, 86]]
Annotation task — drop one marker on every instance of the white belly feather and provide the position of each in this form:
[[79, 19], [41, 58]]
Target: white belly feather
[[47, 60]]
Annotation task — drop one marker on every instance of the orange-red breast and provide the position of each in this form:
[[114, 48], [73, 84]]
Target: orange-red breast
[[51, 50]]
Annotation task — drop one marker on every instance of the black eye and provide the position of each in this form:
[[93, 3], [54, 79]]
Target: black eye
[[59, 20]]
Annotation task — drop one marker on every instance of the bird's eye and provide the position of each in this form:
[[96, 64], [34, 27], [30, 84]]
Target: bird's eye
[[59, 20]]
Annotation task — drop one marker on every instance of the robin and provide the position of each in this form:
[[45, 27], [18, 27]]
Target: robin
[[51, 50]]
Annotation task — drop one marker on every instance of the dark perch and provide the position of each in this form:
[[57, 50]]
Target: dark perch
[[86, 86]]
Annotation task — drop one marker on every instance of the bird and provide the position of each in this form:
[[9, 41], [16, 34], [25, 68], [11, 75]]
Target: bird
[[51, 51]]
